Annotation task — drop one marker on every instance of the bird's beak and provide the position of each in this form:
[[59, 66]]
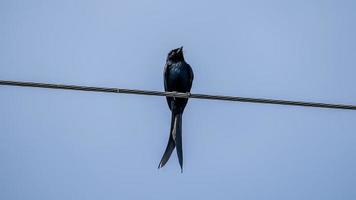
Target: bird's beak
[[180, 49]]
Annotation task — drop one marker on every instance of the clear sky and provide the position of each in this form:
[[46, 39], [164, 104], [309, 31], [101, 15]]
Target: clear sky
[[57, 144]]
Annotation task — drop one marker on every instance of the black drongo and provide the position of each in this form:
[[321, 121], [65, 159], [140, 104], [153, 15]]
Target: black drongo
[[178, 76]]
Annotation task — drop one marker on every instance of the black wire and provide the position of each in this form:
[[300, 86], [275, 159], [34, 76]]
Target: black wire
[[177, 94]]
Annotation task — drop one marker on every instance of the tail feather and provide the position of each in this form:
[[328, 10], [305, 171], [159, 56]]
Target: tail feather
[[168, 152], [170, 146], [177, 130], [175, 140]]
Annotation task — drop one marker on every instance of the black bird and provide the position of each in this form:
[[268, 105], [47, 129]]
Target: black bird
[[178, 76]]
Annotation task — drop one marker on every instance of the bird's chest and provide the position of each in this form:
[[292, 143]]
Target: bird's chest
[[177, 78]]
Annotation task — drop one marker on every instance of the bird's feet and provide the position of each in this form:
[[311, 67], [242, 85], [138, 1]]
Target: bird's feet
[[188, 94]]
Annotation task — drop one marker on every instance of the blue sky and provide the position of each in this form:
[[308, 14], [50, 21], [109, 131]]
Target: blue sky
[[75, 145]]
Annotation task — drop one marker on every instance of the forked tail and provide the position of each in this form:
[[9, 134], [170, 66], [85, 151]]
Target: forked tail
[[175, 140]]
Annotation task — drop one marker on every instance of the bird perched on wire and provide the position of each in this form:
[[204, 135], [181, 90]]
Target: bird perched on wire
[[178, 77]]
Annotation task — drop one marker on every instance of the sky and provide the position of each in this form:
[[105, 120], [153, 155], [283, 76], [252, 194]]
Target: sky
[[57, 144]]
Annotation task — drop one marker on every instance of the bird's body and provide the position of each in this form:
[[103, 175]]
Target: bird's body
[[178, 76]]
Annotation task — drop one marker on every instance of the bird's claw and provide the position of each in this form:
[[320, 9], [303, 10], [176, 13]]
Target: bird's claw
[[174, 97], [188, 94]]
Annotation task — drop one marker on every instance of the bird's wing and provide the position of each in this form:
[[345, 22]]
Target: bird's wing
[[165, 76], [191, 75]]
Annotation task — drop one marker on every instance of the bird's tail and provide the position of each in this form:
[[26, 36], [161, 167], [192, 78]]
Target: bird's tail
[[177, 137], [175, 140]]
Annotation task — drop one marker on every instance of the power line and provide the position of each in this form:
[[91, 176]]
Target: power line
[[176, 94]]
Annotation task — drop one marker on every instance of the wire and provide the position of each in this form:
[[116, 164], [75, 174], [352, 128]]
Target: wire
[[176, 94]]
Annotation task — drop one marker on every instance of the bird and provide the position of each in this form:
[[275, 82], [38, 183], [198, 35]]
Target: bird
[[178, 77]]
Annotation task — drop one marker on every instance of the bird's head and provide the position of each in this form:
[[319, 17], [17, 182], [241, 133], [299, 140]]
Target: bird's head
[[175, 55]]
